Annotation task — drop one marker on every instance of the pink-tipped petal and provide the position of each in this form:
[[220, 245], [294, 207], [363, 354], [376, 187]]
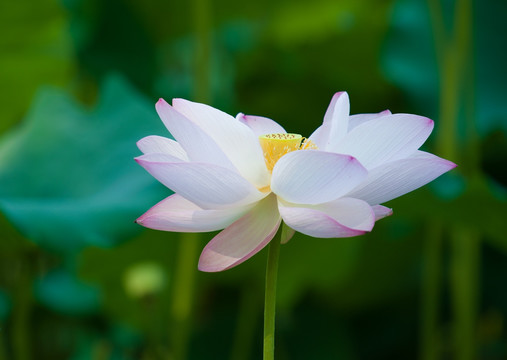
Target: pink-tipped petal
[[208, 186], [344, 217], [161, 145], [388, 138], [243, 238], [335, 124], [198, 145], [312, 177], [176, 213], [234, 138], [358, 119], [399, 177], [381, 212], [260, 125], [338, 115]]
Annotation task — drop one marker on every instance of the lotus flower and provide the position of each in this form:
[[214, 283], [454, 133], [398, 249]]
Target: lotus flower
[[247, 174]]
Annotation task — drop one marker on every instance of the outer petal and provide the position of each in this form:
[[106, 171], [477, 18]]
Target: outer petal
[[235, 139], [159, 157], [242, 239], [162, 145], [198, 145], [176, 213], [335, 124], [206, 185], [343, 217], [313, 177], [400, 177], [381, 212], [358, 119], [388, 138], [260, 125]]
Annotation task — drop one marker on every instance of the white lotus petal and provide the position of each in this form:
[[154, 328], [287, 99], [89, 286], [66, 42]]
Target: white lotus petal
[[197, 144], [176, 213], [235, 139], [159, 157], [338, 115], [207, 185], [358, 119], [343, 217], [335, 124], [243, 238], [381, 211], [388, 138], [312, 176], [261, 125], [163, 145], [320, 136], [399, 177]]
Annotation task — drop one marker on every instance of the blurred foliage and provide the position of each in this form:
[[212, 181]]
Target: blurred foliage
[[409, 60], [35, 49], [80, 280], [60, 291], [66, 172]]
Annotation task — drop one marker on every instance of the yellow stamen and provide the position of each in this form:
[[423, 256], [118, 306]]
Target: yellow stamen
[[275, 146], [308, 145]]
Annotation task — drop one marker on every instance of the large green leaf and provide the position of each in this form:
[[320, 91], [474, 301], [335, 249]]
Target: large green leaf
[[67, 175]]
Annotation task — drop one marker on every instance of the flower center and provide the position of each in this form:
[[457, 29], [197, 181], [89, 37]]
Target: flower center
[[274, 146]]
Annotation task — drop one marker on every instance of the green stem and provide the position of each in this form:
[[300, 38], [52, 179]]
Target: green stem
[[183, 291], [452, 72], [453, 57], [202, 23], [270, 296], [438, 28], [431, 291], [464, 280]]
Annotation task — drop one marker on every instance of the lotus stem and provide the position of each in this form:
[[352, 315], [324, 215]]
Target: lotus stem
[[270, 296]]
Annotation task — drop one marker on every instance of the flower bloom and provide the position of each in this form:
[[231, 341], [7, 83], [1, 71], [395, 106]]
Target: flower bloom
[[247, 174]]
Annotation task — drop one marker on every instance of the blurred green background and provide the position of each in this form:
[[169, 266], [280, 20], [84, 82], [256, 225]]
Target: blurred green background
[[79, 80]]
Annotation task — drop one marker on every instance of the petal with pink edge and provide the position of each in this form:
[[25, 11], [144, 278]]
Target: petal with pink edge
[[381, 211], [175, 213], [261, 125], [161, 145], [344, 217], [243, 239], [335, 124], [313, 177], [388, 138], [399, 177], [358, 119], [208, 186], [197, 144], [233, 137]]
